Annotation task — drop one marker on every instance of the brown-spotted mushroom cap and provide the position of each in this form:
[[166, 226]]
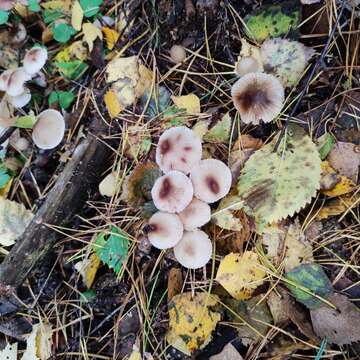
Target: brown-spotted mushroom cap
[[16, 81], [258, 96], [178, 149], [194, 250], [195, 215], [164, 230], [35, 59], [211, 180], [172, 192], [49, 129], [20, 100]]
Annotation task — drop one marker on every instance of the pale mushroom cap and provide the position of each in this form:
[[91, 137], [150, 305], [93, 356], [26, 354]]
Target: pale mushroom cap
[[211, 180], [164, 230], [178, 149], [177, 54], [245, 65], [20, 100], [49, 129], [7, 5], [35, 59], [194, 249], [195, 215], [20, 35], [172, 192], [21, 144], [4, 79], [258, 96], [16, 82]]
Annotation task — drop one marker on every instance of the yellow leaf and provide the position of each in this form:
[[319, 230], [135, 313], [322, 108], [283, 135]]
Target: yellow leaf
[[5, 190], [135, 355], [341, 188], [64, 5], [77, 15], [75, 51], [111, 37], [91, 33], [240, 274], [112, 103], [191, 321], [38, 344], [145, 80], [88, 269], [336, 206], [191, 103]]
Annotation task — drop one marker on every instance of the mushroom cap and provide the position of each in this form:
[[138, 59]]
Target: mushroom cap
[[245, 65], [194, 250], [35, 59], [172, 192], [211, 180], [6, 5], [258, 96], [195, 215], [4, 79], [178, 149], [177, 54], [164, 230], [49, 129], [16, 82], [20, 100], [20, 35]]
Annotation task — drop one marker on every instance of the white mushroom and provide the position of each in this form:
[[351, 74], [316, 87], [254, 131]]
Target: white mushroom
[[16, 82], [172, 192], [164, 230], [177, 54], [211, 180], [35, 59], [195, 215], [20, 100], [246, 65], [6, 5], [178, 149], [49, 129], [21, 144], [194, 249], [258, 96], [4, 79]]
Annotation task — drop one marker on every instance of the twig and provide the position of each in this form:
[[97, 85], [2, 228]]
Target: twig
[[310, 77]]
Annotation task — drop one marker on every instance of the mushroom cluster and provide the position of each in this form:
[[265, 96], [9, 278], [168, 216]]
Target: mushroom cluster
[[182, 196], [13, 81]]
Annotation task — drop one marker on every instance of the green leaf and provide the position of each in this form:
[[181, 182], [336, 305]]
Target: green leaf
[[277, 184], [88, 296], [324, 145], [52, 15], [63, 32], [220, 133], [26, 122], [113, 250], [4, 17], [4, 176], [72, 69], [273, 20], [309, 280], [90, 7], [34, 6], [64, 98]]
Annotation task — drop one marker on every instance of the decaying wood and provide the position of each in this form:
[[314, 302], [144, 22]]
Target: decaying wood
[[67, 197]]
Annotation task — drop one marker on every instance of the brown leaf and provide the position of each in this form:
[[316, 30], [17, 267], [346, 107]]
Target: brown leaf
[[175, 282], [228, 353], [341, 325]]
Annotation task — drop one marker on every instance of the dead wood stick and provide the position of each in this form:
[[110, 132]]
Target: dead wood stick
[[66, 198]]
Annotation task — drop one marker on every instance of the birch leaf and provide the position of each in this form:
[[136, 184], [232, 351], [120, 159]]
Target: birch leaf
[[88, 269], [38, 344], [77, 15], [91, 33], [191, 103]]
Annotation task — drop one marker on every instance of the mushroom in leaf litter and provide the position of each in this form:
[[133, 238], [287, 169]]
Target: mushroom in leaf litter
[[21, 100], [16, 81], [195, 215], [164, 230], [172, 192], [35, 59], [178, 149]]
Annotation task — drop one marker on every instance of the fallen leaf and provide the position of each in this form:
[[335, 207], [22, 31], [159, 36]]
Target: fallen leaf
[[88, 269], [14, 218], [135, 355], [273, 239], [62, 32], [248, 51], [324, 145], [240, 274], [275, 301], [90, 7], [77, 16], [111, 37], [112, 104], [336, 206], [38, 344], [10, 352], [191, 321], [201, 127], [329, 176], [190, 103], [339, 326], [137, 141], [91, 33], [220, 132], [228, 353], [107, 186], [344, 186], [175, 282], [225, 215]]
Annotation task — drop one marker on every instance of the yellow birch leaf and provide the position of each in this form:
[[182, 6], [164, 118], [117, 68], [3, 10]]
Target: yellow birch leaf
[[77, 15], [240, 274], [344, 186], [123, 68], [111, 37], [112, 103], [336, 206], [64, 5], [191, 103], [88, 269], [145, 80], [135, 355], [91, 33]]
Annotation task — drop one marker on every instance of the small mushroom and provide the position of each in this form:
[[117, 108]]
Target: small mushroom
[[16, 81], [49, 129], [35, 59], [6, 5], [246, 65], [211, 180], [20, 100], [172, 192], [258, 96], [195, 215], [164, 230], [4, 79], [178, 149], [194, 250], [21, 144], [177, 54]]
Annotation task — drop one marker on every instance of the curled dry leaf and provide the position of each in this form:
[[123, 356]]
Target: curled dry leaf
[[273, 238], [88, 269], [38, 344], [175, 282], [339, 326], [240, 274], [337, 206]]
